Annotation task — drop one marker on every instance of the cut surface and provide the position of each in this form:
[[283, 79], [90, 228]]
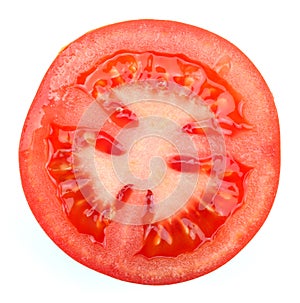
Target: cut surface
[[165, 160]]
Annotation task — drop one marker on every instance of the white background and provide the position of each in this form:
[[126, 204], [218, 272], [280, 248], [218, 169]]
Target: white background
[[32, 268]]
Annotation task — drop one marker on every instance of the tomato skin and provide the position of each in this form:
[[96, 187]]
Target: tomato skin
[[254, 148]]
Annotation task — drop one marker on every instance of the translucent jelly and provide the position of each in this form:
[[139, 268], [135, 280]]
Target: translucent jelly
[[199, 220]]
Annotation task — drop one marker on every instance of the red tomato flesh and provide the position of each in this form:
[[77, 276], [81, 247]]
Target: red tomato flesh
[[202, 107]]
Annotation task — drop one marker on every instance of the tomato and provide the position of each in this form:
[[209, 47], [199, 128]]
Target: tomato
[[151, 152]]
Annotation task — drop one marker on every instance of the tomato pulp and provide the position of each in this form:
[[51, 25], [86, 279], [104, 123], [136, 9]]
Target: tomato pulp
[[151, 151]]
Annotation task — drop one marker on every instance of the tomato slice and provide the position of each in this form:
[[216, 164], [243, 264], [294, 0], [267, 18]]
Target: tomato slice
[[151, 152]]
